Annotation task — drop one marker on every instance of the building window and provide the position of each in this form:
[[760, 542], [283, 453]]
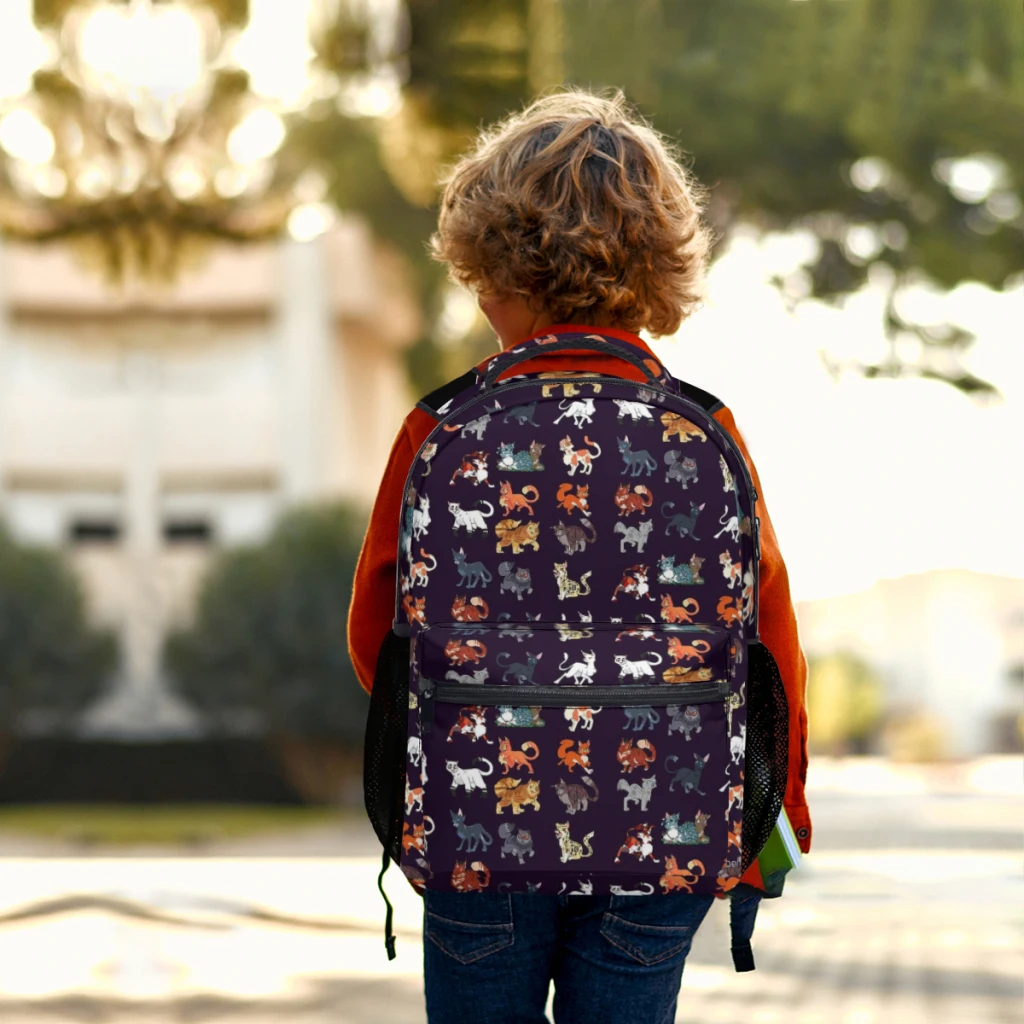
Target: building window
[[94, 530], [188, 531]]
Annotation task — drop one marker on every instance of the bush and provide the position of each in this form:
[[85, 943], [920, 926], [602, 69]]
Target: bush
[[268, 644], [52, 662]]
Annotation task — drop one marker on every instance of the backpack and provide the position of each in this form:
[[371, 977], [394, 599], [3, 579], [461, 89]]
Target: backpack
[[573, 697]]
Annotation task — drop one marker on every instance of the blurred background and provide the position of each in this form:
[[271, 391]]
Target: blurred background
[[216, 306]]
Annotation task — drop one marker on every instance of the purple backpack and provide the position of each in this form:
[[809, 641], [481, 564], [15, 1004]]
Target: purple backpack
[[573, 698]]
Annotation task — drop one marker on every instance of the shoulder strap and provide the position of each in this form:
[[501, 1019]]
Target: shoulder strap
[[435, 402], [704, 399]]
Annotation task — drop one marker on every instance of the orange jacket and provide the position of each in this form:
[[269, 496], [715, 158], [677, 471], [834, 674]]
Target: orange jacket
[[373, 595]]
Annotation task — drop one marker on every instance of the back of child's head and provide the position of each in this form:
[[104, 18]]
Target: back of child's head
[[577, 205]]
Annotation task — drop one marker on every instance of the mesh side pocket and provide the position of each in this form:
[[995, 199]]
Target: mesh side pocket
[[384, 747], [767, 751]]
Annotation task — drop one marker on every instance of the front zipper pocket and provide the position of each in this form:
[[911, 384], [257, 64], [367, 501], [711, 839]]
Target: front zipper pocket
[[562, 697]]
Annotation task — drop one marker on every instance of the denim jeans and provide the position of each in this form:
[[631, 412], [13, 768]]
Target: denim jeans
[[488, 957]]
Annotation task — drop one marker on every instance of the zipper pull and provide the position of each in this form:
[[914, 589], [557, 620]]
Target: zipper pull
[[757, 536], [426, 716]]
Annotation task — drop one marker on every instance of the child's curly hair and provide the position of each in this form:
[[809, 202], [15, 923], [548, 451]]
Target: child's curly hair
[[578, 205]]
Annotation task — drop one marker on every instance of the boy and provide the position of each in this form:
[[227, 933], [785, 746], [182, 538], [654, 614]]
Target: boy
[[573, 212]]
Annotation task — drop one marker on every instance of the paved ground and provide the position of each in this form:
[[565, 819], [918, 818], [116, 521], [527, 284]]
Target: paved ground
[[909, 911]]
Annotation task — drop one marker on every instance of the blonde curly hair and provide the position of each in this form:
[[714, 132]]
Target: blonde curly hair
[[579, 206]]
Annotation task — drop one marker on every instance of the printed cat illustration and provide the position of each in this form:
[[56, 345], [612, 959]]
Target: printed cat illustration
[[473, 467], [521, 672], [580, 672], [567, 632], [471, 722], [634, 581], [645, 890], [579, 458], [576, 795], [678, 651], [470, 779], [640, 756], [477, 678], [574, 538], [738, 744], [571, 758], [634, 535], [669, 572], [635, 463], [569, 847], [677, 879], [636, 411], [736, 836], [580, 412], [521, 415], [640, 718], [474, 879], [510, 717], [639, 499], [728, 483], [679, 426], [582, 717], [509, 758], [472, 573], [585, 888], [476, 427], [686, 723], [459, 653], [683, 524], [421, 517], [470, 519], [678, 613], [518, 842], [515, 534], [637, 669], [688, 778], [569, 588], [727, 612], [687, 833], [415, 609], [732, 571], [473, 609], [567, 500], [511, 500], [414, 837], [519, 581], [637, 792], [681, 468], [512, 793], [413, 798], [639, 843], [511, 461], [475, 835], [419, 572], [735, 797]]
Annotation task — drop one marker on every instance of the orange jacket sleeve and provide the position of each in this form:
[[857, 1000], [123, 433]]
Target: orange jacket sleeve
[[778, 629]]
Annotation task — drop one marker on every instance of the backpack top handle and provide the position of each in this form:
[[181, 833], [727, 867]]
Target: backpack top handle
[[590, 342]]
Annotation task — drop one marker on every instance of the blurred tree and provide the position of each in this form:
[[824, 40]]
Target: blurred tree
[[844, 704], [267, 646], [52, 663], [892, 129]]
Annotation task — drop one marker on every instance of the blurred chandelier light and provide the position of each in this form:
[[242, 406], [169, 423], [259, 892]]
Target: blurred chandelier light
[[140, 131]]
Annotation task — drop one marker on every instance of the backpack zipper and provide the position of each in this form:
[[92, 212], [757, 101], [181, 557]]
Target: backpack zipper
[[564, 697]]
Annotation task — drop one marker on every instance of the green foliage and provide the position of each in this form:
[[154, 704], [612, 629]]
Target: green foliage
[[844, 704], [52, 663], [777, 102], [269, 632]]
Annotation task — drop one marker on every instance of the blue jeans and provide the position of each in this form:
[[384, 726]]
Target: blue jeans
[[488, 958]]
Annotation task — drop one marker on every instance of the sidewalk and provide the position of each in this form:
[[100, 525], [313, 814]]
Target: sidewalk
[[877, 926]]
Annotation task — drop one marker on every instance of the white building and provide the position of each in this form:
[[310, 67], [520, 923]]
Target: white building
[[139, 430]]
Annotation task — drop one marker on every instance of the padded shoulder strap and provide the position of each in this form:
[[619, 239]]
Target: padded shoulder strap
[[704, 399], [435, 402]]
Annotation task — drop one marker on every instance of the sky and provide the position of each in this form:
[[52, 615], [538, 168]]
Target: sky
[[863, 479]]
